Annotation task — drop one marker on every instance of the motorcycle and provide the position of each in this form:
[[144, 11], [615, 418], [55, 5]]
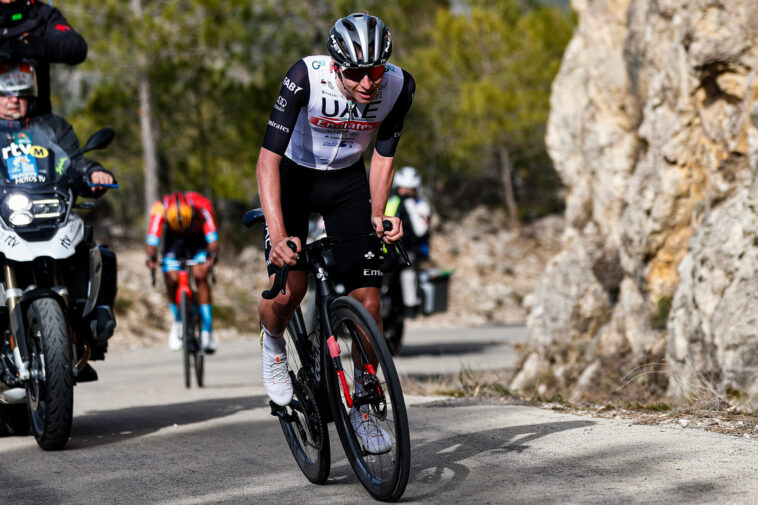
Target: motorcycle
[[57, 290], [432, 286]]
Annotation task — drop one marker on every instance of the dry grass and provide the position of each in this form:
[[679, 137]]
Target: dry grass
[[705, 407]]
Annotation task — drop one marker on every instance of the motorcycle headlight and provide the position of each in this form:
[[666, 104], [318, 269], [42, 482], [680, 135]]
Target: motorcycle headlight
[[20, 210]]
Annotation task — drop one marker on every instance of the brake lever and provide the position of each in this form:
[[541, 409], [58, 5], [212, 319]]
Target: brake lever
[[280, 279], [399, 246]]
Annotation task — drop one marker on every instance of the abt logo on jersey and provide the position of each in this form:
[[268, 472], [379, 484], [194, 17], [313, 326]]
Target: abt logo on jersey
[[291, 86]]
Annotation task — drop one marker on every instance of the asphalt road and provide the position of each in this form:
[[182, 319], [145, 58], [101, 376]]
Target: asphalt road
[[140, 437]]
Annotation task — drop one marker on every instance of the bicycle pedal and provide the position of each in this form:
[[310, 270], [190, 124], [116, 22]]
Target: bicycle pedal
[[277, 410]]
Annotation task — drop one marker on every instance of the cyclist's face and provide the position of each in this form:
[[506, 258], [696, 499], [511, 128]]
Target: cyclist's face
[[13, 107], [362, 84]]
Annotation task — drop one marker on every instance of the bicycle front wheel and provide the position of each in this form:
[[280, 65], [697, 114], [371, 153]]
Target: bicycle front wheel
[[380, 461], [185, 310], [200, 368]]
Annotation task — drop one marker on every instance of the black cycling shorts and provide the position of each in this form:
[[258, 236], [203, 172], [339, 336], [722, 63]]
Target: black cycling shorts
[[178, 247], [342, 197]]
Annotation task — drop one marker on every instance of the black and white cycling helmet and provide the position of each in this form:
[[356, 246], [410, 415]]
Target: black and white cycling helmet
[[359, 41]]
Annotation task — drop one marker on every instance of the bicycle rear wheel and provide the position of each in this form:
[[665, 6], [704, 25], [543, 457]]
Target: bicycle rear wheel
[[383, 475], [186, 314], [305, 429]]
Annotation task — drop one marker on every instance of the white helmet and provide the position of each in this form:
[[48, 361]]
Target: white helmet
[[18, 80], [407, 177]]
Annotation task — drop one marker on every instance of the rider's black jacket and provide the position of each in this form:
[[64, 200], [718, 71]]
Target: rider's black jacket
[[43, 36], [62, 134]]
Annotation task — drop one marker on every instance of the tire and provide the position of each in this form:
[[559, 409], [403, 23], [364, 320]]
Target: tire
[[199, 356], [50, 392], [383, 475], [306, 432], [394, 326], [186, 314]]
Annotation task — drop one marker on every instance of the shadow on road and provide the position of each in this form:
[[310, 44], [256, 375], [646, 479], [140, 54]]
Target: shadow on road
[[441, 349], [110, 426], [444, 456]]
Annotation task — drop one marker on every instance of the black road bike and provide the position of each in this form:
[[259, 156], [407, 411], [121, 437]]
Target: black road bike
[[324, 389]]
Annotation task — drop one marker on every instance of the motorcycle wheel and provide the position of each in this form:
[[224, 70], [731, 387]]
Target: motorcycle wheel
[[50, 390], [393, 325]]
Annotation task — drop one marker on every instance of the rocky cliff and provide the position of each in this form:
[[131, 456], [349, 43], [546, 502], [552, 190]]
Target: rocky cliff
[[653, 131]]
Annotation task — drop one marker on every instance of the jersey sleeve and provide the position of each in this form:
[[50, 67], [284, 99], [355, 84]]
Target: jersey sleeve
[[293, 96], [209, 225], [204, 209], [155, 226], [392, 127], [58, 44]]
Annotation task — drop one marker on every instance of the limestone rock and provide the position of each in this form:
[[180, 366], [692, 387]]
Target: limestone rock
[[653, 131]]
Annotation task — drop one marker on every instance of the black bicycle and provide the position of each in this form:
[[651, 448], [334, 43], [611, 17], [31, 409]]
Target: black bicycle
[[324, 390]]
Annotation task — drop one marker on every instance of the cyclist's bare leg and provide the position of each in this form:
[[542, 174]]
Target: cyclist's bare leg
[[369, 298], [275, 313], [200, 272], [172, 282]]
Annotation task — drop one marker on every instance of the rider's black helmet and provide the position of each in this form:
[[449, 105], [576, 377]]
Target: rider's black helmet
[[360, 40]]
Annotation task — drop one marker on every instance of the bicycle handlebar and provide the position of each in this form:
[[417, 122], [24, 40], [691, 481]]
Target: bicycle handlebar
[[183, 264], [280, 278]]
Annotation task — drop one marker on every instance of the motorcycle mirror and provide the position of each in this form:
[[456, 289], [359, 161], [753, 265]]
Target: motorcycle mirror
[[99, 140]]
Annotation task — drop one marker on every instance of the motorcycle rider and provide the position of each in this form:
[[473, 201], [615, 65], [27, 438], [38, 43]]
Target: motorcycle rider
[[20, 126], [328, 110], [191, 231], [414, 211], [37, 32]]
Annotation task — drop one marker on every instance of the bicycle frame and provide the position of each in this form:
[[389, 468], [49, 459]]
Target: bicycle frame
[[185, 283]]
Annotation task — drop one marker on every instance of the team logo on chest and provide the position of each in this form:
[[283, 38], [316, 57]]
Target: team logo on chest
[[337, 114]]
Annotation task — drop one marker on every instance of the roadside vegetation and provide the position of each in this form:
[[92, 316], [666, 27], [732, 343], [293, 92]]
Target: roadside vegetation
[[205, 73]]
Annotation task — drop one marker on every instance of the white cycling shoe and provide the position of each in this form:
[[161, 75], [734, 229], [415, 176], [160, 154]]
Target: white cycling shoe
[[207, 342], [174, 336], [374, 438], [276, 377]]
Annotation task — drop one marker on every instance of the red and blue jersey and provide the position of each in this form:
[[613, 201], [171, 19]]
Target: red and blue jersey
[[203, 220]]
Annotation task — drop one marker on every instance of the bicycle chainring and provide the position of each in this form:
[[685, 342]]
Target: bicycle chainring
[[306, 397]]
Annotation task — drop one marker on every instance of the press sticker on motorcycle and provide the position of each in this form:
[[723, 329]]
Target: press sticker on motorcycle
[[22, 169], [15, 149], [23, 138]]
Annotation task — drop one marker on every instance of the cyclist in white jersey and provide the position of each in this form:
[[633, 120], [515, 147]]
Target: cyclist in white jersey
[[328, 110]]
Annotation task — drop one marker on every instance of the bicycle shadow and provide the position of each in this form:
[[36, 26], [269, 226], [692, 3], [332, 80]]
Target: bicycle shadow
[[433, 461], [101, 427]]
